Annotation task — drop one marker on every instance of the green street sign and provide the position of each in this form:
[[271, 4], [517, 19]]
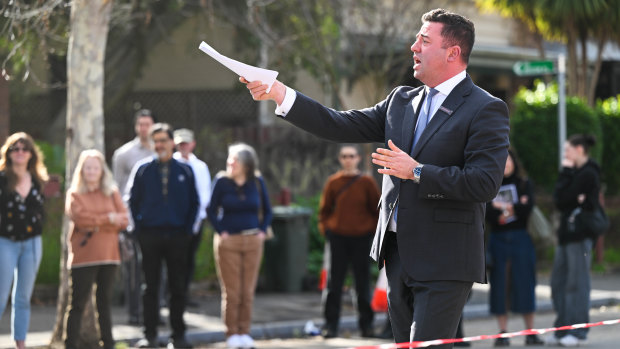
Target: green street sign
[[526, 68]]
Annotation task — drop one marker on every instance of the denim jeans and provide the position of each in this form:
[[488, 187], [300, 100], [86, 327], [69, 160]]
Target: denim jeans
[[570, 286], [19, 262]]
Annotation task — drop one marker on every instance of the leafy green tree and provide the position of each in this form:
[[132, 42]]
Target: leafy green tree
[[575, 22], [31, 27], [337, 42]]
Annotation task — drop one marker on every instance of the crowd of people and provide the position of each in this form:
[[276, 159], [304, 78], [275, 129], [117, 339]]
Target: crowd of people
[[441, 181], [147, 215]]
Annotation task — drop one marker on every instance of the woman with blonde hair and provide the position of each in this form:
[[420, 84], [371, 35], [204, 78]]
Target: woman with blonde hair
[[97, 215], [22, 176], [240, 213]]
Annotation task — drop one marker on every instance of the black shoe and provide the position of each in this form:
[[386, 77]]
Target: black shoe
[[532, 339], [462, 344], [502, 342], [147, 343], [178, 343], [329, 333]]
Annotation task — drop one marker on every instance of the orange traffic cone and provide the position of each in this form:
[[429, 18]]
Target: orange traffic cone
[[379, 298], [325, 268]]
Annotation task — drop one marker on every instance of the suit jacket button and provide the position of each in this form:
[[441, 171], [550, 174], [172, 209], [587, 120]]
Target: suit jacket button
[[391, 206]]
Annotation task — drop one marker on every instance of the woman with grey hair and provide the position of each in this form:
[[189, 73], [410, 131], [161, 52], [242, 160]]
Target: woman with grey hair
[[240, 213]]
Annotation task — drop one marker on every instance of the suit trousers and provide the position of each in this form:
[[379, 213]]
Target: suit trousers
[[421, 310], [172, 248], [237, 261], [347, 250], [81, 282]]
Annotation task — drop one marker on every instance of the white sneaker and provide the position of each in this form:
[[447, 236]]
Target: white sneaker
[[551, 340], [246, 341], [234, 342], [569, 341]]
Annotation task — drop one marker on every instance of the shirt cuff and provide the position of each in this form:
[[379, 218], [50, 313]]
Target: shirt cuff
[[287, 103]]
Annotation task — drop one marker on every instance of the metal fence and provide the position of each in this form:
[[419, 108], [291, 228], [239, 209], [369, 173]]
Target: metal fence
[[289, 157]]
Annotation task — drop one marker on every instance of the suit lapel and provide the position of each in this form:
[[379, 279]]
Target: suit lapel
[[411, 115], [447, 110]]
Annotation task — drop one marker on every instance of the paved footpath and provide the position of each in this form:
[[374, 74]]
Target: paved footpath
[[279, 319]]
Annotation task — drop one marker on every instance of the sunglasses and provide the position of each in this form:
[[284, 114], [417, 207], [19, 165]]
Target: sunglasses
[[18, 149], [347, 156]]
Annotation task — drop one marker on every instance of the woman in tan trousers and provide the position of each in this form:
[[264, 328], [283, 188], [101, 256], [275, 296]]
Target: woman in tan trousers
[[240, 213]]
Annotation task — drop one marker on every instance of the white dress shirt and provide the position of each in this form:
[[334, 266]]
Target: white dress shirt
[[202, 177]]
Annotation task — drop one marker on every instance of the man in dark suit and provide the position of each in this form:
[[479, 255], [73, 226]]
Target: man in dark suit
[[446, 146]]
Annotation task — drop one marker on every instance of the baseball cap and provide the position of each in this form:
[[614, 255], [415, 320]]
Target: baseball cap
[[183, 135]]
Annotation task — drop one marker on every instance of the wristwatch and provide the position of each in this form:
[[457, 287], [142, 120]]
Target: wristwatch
[[417, 171]]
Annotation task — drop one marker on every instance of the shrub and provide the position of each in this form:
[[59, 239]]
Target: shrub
[[316, 241], [609, 116], [49, 270], [534, 130]]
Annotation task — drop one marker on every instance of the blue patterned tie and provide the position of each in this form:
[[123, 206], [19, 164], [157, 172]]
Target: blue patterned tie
[[423, 117]]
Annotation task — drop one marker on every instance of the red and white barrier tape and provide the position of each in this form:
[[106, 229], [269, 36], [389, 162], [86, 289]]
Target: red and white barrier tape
[[483, 337]]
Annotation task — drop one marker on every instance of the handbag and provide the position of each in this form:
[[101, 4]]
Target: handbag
[[268, 231], [539, 227], [592, 223]]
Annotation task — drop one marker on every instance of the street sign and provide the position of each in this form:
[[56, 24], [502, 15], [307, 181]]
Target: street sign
[[527, 68]]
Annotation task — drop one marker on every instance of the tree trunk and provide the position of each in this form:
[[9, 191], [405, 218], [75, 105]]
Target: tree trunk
[[571, 47], [85, 83], [5, 115], [583, 79], [597, 70]]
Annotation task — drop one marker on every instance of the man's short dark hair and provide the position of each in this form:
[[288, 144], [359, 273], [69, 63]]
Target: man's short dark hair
[[143, 113], [457, 30], [161, 127]]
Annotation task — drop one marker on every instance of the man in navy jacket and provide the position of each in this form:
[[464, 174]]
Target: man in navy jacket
[[163, 202]]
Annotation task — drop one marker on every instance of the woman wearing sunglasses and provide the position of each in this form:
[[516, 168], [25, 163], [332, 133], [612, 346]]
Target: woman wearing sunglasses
[[22, 175], [97, 215]]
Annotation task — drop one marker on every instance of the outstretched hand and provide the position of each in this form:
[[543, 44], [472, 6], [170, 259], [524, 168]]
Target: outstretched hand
[[394, 161], [259, 90]]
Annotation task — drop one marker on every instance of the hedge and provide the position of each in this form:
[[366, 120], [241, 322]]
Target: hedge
[[609, 115], [534, 130]]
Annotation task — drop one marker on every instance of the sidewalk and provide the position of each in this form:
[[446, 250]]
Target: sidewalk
[[278, 315]]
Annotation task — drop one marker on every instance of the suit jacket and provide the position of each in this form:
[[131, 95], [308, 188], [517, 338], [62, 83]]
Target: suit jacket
[[440, 227]]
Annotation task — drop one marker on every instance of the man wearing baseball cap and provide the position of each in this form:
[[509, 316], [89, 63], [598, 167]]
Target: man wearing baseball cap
[[185, 143]]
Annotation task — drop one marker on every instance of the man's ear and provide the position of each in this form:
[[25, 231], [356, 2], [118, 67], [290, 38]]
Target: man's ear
[[454, 53]]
